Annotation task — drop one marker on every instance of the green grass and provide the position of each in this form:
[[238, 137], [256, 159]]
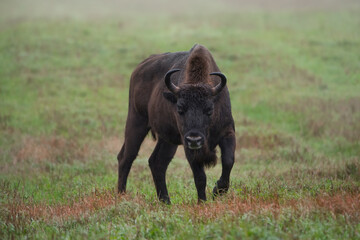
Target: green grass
[[294, 81]]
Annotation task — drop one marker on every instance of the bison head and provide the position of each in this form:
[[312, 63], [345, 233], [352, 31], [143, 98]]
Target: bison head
[[195, 108]]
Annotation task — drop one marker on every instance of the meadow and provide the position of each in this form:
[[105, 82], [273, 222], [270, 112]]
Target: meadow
[[294, 81]]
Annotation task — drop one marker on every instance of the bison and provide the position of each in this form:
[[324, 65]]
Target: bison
[[181, 98]]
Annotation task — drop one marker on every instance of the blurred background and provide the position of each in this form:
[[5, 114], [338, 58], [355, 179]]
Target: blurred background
[[65, 65], [293, 71], [111, 8]]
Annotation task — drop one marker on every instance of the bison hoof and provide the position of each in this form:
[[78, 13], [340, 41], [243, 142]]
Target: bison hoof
[[121, 190], [201, 201], [220, 189], [165, 200]]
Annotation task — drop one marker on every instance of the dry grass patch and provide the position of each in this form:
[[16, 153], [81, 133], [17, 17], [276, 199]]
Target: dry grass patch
[[341, 203], [18, 213], [269, 141], [338, 204], [34, 152], [53, 148]]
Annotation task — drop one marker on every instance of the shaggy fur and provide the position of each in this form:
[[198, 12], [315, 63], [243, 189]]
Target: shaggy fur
[[197, 65]]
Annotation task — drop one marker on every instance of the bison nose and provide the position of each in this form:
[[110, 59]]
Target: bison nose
[[194, 142]]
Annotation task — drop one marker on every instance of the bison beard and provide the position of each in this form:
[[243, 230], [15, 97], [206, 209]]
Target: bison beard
[[204, 155], [179, 98]]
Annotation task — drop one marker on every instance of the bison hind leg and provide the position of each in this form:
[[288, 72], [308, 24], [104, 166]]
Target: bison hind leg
[[158, 162], [135, 132]]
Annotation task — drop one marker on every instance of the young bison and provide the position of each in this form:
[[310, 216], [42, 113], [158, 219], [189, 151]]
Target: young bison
[[183, 99]]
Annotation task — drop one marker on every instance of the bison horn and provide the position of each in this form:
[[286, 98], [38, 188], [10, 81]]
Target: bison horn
[[172, 87], [221, 85]]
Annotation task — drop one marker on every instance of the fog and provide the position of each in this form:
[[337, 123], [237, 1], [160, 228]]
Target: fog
[[85, 9]]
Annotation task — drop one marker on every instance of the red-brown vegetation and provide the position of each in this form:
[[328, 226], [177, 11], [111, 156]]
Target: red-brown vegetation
[[53, 149], [338, 204], [269, 141], [342, 203]]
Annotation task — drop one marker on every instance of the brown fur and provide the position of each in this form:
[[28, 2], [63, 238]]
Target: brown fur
[[197, 65]]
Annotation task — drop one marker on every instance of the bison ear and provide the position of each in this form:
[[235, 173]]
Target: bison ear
[[170, 97]]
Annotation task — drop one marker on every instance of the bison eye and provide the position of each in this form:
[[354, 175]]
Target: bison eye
[[180, 110], [209, 111]]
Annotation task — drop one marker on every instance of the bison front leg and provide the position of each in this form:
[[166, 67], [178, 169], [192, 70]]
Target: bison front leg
[[227, 146], [200, 180]]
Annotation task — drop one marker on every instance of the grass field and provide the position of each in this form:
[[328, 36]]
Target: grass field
[[294, 79]]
